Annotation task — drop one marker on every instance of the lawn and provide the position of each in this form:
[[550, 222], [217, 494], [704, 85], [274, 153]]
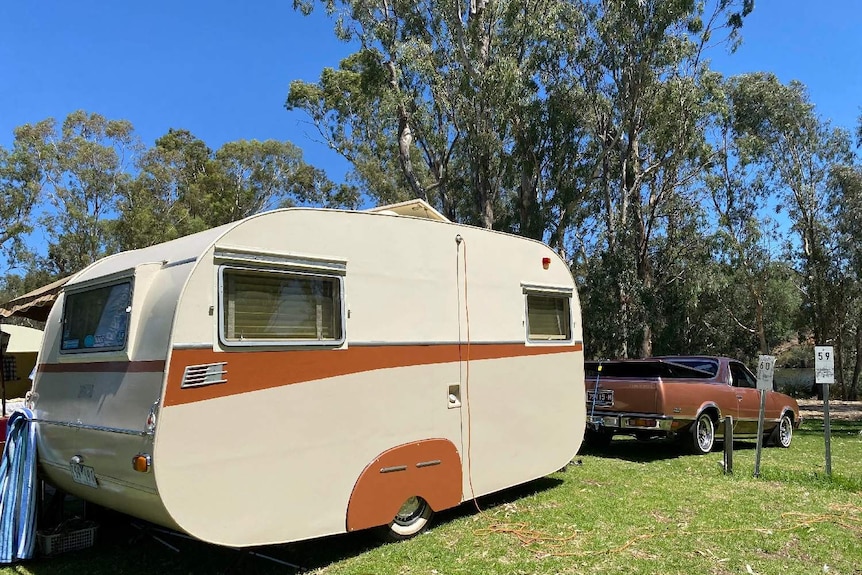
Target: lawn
[[634, 508]]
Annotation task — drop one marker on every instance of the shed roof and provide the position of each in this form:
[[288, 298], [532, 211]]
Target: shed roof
[[22, 339]]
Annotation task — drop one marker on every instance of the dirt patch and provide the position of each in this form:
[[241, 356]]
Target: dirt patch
[[840, 410]]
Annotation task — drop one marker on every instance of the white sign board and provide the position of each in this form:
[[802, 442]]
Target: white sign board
[[824, 364], [765, 371]]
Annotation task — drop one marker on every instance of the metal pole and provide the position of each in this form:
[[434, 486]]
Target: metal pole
[[728, 445], [827, 430], [759, 433], [3, 369]]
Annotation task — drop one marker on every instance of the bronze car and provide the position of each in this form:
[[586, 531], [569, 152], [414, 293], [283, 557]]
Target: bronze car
[[685, 397]]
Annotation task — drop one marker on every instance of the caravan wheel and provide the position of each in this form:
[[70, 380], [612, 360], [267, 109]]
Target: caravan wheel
[[411, 520]]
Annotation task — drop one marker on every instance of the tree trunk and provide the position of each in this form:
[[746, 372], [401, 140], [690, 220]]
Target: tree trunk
[[761, 327], [484, 197], [853, 392], [405, 138]]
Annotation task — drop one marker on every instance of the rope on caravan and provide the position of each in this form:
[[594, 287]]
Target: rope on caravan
[[460, 241], [595, 391], [18, 489]]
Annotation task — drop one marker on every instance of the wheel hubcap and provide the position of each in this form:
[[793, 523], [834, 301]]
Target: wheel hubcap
[[704, 434], [410, 511], [785, 431]]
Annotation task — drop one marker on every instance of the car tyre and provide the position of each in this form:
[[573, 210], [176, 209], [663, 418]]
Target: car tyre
[[411, 520], [702, 435], [782, 435]]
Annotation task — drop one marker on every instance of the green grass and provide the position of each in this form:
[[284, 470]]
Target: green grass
[[636, 509]]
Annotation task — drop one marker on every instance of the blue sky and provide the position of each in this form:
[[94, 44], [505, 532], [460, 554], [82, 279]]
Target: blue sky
[[222, 69]]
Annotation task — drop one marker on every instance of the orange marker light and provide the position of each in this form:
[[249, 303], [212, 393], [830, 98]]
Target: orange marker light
[[546, 263], [141, 462]]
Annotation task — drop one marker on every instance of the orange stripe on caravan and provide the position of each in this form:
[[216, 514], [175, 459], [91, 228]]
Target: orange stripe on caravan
[[257, 370]]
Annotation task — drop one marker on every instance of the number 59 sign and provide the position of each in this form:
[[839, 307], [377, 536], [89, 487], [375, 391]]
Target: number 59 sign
[[824, 364]]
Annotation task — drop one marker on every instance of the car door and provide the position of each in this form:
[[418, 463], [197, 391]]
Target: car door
[[747, 398]]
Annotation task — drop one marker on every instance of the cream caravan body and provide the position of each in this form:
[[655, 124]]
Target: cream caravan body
[[306, 372]]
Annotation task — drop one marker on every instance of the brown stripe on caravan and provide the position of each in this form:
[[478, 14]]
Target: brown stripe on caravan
[[105, 367], [258, 370]]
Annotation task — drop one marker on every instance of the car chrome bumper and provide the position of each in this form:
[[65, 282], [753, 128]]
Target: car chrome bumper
[[630, 421]]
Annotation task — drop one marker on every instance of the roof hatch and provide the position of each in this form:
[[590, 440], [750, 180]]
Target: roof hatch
[[415, 208]]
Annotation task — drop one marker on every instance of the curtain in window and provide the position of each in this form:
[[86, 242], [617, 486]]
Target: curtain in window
[[548, 317], [274, 306]]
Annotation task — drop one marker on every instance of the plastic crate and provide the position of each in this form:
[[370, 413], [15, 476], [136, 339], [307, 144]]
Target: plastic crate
[[63, 539]]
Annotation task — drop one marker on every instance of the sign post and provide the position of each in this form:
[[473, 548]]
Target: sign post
[[824, 374], [765, 373]]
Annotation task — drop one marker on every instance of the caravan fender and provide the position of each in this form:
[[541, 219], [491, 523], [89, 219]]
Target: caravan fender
[[430, 468]]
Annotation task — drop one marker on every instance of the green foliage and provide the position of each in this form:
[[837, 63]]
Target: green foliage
[[20, 179], [98, 191]]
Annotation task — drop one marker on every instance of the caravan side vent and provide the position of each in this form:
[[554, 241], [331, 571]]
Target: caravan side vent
[[206, 374]]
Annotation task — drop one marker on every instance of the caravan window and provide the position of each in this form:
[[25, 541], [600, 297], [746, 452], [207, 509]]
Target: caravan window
[[261, 307], [549, 317], [97, 319]]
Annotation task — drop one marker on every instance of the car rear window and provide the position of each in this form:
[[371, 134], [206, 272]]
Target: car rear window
[[707, 366]]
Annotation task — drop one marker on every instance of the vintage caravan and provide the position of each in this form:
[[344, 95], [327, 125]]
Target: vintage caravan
[[306, 372]]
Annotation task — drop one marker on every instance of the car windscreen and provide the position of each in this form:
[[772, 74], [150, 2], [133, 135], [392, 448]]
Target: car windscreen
[[97, 319]]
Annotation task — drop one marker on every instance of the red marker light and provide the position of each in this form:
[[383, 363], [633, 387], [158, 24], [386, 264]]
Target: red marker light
[[546, 263]]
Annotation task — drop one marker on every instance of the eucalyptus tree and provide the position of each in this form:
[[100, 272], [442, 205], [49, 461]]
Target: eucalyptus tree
[[800, 151], [84, 168], [164, 200], [846, 181], [182, 186], [652, 95], [746, 231], [448, 102], [21, 180]]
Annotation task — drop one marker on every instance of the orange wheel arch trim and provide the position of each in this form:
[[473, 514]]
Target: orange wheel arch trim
[[430, 468]]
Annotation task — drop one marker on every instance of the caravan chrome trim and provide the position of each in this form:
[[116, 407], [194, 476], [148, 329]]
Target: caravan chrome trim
[[75, 425]]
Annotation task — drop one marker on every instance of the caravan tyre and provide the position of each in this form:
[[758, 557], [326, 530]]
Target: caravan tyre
[[411, 520]]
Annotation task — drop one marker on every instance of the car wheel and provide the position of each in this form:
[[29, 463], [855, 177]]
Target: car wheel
[[411, 520], [782, 435], [702, 435]]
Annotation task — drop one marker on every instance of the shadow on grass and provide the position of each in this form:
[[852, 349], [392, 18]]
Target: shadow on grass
[[320, 553], [638, 451], [125, 545]]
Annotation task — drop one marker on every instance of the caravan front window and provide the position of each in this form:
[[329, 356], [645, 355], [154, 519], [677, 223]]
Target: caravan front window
[[97, 319], [261, 307]]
